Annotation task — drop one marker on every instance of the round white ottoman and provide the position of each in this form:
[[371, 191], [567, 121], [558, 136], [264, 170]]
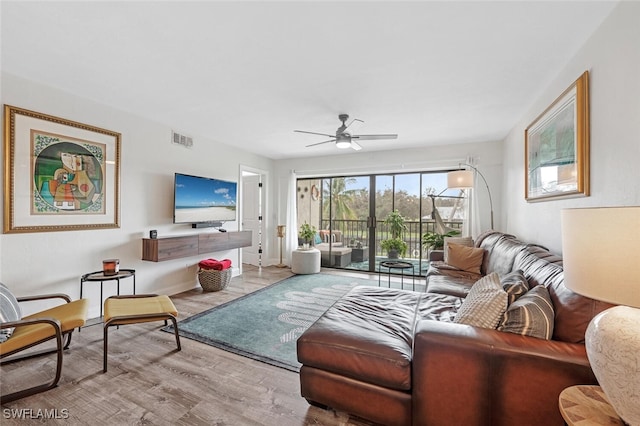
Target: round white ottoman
[[305, 261]]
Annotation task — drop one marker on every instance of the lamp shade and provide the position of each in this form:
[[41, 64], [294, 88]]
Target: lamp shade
[[601, 253], [460, 179], [601, 257]]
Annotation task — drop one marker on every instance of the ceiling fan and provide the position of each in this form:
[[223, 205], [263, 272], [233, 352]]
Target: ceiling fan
[[345, 137]]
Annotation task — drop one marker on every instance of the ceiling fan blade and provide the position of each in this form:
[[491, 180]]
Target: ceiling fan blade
[[320, 143], [315, 133], [354, 126], [374, 137], [355, 146]]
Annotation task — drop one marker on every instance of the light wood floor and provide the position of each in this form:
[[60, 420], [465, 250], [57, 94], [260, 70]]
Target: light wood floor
[[149, 383]]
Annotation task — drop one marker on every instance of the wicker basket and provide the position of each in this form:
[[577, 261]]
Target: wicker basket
[[214, 280]]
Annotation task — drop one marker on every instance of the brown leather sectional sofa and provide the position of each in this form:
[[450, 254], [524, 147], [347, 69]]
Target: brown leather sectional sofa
[[394, 357]]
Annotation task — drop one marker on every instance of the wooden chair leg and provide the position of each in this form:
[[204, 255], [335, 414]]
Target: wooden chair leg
[[106, 338], [4, 399], [175, 330], [106, 343], [68, 342]]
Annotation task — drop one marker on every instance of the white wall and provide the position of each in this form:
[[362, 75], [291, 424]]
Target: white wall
[[612, 57], [488, 156], [48, 262]]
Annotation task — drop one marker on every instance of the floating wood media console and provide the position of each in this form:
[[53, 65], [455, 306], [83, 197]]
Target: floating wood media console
[[167, 248]]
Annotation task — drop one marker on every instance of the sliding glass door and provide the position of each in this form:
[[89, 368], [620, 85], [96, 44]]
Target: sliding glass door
[[344, 226], [349, 213]]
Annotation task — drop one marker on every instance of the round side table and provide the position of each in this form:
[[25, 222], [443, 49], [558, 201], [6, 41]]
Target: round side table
[[587, 406], [397, 264], [99, 276], [305, 261]]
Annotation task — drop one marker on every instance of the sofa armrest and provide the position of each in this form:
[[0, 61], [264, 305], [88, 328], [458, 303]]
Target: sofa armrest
[[474, 376]]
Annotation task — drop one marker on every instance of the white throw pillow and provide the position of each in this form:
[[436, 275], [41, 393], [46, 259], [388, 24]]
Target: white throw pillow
[[485, 304], [9, 311]]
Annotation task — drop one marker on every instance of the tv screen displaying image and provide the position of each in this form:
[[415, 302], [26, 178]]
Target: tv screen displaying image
[[199, 199]]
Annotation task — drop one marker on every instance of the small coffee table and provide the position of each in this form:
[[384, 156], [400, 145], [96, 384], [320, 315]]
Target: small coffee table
[[397, 264]]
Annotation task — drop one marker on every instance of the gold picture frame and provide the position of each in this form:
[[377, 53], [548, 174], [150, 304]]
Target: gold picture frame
[[557, 147], [60, 175]]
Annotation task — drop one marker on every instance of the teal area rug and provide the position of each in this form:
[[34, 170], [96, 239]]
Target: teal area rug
[[264, 325]]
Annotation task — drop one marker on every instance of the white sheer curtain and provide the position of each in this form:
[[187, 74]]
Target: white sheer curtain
[[291, 238], [471, 226]]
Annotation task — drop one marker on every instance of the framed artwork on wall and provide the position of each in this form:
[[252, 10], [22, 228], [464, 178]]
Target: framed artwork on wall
[[557, 147], [60, 175]]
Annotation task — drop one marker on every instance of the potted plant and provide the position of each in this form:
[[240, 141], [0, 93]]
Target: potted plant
[[434, 242], [395, 245], [307, 233]]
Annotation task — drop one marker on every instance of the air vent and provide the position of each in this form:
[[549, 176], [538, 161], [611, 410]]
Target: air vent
[[180, 139]]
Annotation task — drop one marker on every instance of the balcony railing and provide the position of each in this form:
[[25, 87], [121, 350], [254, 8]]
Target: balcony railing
[[354, 231]]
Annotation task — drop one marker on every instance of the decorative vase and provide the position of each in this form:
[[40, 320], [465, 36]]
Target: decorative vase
[[613, 348], [393, 254], [305, 246]]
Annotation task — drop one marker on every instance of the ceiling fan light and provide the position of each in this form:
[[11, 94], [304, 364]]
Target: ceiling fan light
[[343, 144]]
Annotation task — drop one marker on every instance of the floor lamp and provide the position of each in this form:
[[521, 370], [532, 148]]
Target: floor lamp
[[281, 232], [464, 179], [600, 255]]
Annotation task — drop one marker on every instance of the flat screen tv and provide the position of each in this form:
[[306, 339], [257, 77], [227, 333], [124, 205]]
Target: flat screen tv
[[202, 200]]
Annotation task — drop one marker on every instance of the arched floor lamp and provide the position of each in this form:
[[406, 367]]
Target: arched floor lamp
[[464, 179]]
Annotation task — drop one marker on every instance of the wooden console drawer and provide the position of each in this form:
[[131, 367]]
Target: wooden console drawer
[[159, 249]]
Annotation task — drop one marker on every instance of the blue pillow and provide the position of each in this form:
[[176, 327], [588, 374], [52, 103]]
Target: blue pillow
[[318, 240]]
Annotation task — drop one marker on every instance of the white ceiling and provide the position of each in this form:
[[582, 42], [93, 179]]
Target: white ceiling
[[249, 73]]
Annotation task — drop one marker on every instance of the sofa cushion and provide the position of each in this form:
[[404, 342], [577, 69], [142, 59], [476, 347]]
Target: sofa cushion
[[367, 335], [450, 285], [530, 315], [463, 241], [439, 307], [485, 304], [441, 268], [502, 254], [330, 236], [515, 284], [465, 258], [9, 311]]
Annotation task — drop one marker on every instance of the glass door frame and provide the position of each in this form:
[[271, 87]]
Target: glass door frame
[[374, 226]]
